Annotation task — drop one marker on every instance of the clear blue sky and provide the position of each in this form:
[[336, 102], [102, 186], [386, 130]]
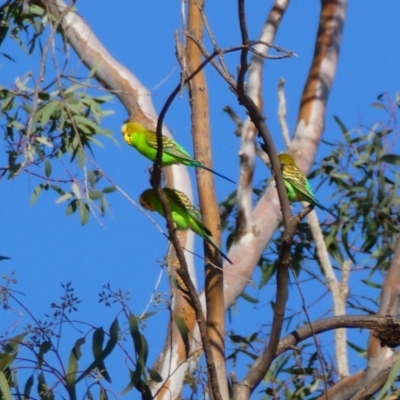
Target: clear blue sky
[[48, 248]]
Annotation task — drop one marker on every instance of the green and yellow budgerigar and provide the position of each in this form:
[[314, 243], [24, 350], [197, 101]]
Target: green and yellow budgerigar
[[145, 142], [183, 213], [297, 186]]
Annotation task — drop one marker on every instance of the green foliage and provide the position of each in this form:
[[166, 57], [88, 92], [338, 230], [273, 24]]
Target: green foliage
[[138, 377], [366, 180], [50, 124], [7, 358], [65, 124], [73, 367], [22, 18], [43, 369]]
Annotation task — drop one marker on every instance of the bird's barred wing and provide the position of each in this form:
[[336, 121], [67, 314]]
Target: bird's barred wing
[[180, 198], [299, 182], [183, 201], [169, 146]]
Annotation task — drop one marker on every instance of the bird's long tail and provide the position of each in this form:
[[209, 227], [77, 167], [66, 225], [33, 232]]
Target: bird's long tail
[[213, 244], [214, 172], [318, 204]]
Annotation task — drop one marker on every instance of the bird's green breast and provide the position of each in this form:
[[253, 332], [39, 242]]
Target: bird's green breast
[[146, 144], [180, 218], [138, 140], [291, 191], [179, 215], [184, 220]]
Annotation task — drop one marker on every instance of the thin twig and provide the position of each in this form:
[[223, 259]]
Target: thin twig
[[225, 74]]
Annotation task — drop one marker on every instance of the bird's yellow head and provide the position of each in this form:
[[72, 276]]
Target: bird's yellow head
[[286, 159], [129, 129], [146, 199]]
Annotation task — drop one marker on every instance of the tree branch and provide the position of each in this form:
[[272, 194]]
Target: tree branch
[[371, 322], [339, 292], [198, 99]]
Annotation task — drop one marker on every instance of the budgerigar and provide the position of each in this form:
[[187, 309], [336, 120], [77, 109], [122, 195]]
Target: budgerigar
[[297, 186], [183, 213], [145, 142]]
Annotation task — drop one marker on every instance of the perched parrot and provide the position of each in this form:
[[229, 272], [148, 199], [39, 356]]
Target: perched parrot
[[145, 142], [297, 186], [184, 214]]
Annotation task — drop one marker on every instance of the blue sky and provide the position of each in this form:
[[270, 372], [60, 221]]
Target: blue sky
[[48, 248]]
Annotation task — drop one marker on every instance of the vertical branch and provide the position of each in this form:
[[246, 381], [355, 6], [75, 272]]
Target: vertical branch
[[339, 292], [257, 118], [208, 203], [174, 358], [261, 366], [329, 35], [340, 334], [244, 224]]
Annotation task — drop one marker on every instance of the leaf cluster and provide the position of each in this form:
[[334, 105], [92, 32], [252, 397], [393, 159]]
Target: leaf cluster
[[64, 122], [50, 123]]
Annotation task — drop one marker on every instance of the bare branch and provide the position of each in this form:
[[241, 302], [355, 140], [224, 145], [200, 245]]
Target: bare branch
[[248, 148], [339, 292], [370, 322]]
